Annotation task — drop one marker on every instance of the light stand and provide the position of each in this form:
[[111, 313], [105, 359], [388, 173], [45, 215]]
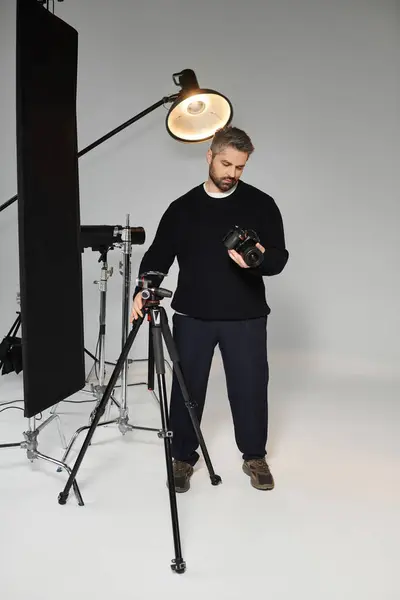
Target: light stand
[[99, 366], [105, 274], [123, 424], [30, 444], [158, 321], [125, 235]]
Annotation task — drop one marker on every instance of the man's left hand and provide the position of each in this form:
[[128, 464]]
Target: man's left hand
[[238, 258]]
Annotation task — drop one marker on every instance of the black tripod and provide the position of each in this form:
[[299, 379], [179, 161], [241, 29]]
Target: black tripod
[[159, 329]]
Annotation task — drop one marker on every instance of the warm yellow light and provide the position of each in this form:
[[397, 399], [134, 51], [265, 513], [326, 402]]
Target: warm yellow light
[[197, 117], [196, 107]]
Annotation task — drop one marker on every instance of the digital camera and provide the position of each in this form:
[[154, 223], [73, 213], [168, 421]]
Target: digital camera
[[244, 242]]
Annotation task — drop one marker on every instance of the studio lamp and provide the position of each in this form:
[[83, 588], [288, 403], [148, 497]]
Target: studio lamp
[[194, 116], [197, 113]]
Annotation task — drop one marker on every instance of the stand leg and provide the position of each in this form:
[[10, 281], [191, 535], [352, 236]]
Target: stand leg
[[75, 436], [12, 333], [30, 444], [169, 342], [66, 467], [60, 431], [178, 564], [13, 445], [63, 496]]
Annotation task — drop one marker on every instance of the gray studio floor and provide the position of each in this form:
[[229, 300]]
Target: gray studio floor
[[329, 530]]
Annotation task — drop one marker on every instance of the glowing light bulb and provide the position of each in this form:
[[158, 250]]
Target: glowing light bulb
[[196, 107]]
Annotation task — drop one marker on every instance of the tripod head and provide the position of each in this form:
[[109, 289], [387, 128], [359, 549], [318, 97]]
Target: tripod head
[[149, 284], [153, 296]]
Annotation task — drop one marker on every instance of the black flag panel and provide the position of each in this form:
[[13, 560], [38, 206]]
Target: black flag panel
[[48, 208]]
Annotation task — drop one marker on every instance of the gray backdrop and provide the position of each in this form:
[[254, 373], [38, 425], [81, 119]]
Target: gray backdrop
[[316, 85]]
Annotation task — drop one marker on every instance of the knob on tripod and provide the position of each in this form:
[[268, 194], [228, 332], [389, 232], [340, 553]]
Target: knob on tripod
[[154, 295]]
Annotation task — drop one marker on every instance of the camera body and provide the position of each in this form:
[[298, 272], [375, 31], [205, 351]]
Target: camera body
[[244, 241]]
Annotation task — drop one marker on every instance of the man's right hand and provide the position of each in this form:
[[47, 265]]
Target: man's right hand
[[137, 307]]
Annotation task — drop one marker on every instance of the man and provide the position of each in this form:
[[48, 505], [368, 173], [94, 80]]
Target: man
[[220, 300]]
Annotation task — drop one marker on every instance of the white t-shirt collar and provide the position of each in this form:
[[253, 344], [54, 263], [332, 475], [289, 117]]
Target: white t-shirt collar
[[220, 194]]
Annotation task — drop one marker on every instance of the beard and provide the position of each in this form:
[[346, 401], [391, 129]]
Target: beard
[[223, 183]]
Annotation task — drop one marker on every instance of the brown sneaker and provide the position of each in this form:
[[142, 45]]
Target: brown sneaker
[[259, 473], [182, 474]]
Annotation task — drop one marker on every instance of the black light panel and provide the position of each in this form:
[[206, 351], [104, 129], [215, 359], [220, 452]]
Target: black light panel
[[48, 208]]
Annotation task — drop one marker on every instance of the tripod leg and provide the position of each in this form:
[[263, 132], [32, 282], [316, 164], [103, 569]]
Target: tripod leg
[[150, 364], [169, 342], [150, 369], [63, 496], [178, 564]]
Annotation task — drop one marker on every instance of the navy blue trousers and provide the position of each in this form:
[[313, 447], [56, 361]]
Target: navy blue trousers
[[243, 346]]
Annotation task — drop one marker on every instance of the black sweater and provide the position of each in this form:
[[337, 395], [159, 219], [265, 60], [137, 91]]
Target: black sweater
[[210, 284]]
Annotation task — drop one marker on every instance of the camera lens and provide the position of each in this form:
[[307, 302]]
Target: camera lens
[[254, 257], [231, 240]]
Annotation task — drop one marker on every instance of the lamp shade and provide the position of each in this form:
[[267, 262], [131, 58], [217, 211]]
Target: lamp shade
[[196, 114]]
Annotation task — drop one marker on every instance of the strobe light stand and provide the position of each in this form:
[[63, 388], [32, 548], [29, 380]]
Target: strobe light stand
[[123, 421], [99, 366], [124, 237], [159, 328]]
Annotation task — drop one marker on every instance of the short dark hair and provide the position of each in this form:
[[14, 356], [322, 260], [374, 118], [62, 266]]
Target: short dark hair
[[233, 137]]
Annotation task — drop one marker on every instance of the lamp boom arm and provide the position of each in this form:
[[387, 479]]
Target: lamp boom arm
[[127, 123], [145, 112]]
